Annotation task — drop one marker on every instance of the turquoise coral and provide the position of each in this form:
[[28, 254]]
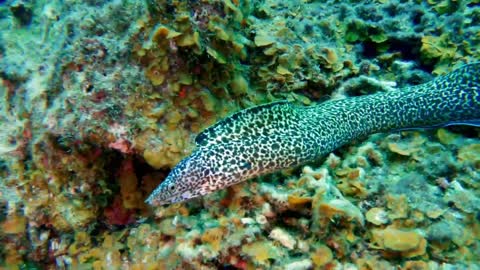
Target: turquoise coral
[[267, 138]]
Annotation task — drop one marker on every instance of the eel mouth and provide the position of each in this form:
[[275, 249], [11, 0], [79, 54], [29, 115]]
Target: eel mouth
[[154, 201], [173, 198], [151, 201]]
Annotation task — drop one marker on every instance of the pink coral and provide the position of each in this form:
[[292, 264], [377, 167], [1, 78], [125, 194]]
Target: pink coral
[[121, 145]]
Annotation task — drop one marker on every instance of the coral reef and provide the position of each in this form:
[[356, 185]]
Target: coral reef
[[99, 99]]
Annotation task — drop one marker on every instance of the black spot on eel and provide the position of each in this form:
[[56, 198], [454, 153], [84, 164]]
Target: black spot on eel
[[279, 135]]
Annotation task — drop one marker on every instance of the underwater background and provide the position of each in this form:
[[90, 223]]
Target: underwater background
[[99, 100]]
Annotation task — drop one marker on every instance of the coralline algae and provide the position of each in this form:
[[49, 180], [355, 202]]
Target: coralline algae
[[100, 99]]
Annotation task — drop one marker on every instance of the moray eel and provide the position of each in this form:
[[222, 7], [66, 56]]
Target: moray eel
[[279, 135]]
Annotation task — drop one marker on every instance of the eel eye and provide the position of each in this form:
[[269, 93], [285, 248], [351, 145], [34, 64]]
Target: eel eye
[[171, 187]]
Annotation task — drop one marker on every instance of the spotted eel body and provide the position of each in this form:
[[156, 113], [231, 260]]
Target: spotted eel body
[[279, 135]]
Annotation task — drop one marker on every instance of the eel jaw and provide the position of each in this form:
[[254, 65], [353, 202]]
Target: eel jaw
[[159, 197], [175, 198]]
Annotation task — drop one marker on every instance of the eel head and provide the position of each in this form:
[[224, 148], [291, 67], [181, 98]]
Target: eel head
[[208, 169]]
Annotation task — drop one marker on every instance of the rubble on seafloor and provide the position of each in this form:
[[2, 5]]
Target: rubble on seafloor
[[99, 99]]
